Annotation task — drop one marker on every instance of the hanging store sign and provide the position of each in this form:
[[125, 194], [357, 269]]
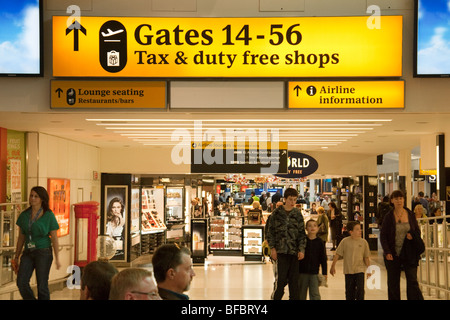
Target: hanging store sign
[[347, 94], [108, 94], [239, 157], [300, 165], [226, 47]]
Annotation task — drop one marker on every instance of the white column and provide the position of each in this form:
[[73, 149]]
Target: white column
[[404, 169]]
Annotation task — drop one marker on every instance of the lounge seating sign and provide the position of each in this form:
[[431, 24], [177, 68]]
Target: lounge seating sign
[[227, 47], [78, 94]]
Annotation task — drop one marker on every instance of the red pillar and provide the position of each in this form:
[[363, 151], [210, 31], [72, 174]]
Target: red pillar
[[3, 162]]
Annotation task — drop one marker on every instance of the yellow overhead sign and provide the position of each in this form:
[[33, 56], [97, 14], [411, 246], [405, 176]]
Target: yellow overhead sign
[[227, 47], [108, 94], [426, 172], [346, 94]]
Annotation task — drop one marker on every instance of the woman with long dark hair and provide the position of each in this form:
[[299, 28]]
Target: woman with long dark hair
[[402, 246], [37, 236], [335, 220]]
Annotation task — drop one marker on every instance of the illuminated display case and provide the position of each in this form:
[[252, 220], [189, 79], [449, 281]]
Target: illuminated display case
[[175, 215], [199, 240], [226, 235], [152, 210], [253, 237]]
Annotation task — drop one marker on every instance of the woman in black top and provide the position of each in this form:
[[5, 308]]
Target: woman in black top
[[401, 242], [335, 219]]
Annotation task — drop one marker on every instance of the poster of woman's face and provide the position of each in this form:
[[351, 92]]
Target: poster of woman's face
[[115, 218]]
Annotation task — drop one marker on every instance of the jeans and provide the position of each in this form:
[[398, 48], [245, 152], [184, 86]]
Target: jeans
[[286, 274], [394, 268], [41, 261], [309, 281], [354, 286]]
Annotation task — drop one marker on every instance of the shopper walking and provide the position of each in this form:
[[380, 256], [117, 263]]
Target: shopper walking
[[37, 236], [356, 254], [423, 202], [335, 219], [315, 256], [254, 215], [322, 223], [402, 246], [419, 212], [287, 240]]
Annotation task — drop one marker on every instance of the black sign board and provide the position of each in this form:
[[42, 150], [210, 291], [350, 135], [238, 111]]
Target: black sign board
[[300, 165], [248, 157]]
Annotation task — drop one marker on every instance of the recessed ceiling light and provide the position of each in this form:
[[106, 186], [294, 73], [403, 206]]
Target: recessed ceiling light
[[243, 120]]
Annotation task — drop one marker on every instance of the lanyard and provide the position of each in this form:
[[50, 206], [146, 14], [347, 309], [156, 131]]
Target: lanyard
[[30, 222]]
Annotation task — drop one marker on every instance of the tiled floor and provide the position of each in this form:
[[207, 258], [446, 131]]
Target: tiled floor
[[231, 278]]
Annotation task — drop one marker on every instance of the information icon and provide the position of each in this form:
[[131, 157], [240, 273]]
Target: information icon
[[311, 91]]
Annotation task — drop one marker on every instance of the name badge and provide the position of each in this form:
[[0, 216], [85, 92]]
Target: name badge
[[31, 245]]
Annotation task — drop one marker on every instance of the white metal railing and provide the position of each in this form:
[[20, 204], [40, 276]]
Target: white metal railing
[[434, 265], [9, 212]]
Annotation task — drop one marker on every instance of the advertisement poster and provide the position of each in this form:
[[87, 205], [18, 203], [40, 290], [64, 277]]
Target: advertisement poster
[[115, 215], [15, 168], [59, 203]]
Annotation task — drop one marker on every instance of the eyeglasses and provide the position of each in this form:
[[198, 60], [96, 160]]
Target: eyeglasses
[[150, 295]]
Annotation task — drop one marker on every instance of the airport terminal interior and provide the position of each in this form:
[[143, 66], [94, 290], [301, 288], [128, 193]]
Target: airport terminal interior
[[192, 114]]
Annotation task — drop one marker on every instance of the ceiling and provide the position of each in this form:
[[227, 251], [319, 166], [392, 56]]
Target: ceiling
[[350, 132]]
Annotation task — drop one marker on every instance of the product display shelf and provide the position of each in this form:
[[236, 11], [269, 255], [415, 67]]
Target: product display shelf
[[150, 221], [151, 241], [343, 201], [226, 235], [253, 237], [174, 205]]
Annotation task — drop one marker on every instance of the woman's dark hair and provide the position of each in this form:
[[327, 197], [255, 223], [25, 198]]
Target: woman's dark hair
[[333, 205], [43, 195], [397, 194], [167, 256], [110, 205]]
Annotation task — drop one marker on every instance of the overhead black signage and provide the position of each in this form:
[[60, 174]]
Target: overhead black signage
[[209, 157], [300, 165]]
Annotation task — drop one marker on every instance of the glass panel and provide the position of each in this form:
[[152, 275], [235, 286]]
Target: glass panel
[[82, 239], [6, 275]]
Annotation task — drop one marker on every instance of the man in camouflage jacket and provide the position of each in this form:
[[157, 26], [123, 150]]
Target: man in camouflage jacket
[[287, 240]]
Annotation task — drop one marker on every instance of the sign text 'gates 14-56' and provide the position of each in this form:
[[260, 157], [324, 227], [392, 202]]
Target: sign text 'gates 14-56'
[[227, 47]]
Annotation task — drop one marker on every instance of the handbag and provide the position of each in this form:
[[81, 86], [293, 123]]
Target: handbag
[[321, 230]]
